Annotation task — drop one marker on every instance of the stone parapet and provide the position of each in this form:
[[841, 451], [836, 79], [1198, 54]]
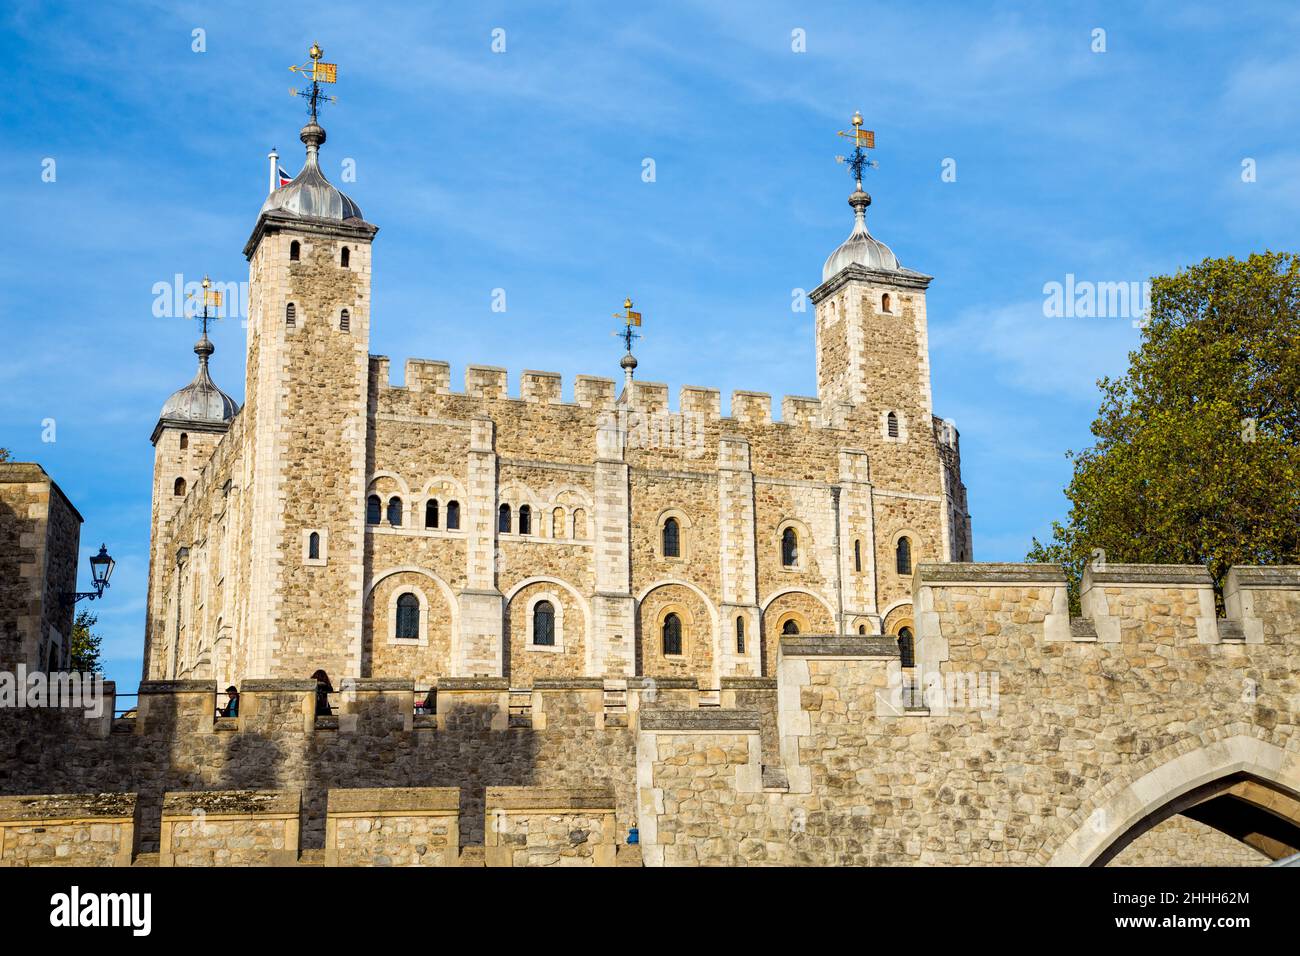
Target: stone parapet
[[230, 828], [393, 826], [68, 829]]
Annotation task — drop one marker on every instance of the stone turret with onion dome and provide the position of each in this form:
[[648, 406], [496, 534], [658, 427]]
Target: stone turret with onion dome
[[309, 202], [200, 405], [861, 248]]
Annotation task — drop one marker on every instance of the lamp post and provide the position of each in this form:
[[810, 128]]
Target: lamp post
[[101, 569]]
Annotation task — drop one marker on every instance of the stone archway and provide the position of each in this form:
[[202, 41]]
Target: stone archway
[[1246, 787]]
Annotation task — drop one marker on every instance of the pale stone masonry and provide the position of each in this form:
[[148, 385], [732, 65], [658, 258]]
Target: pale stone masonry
[[265, 565], [40, 534], [1036, 740]]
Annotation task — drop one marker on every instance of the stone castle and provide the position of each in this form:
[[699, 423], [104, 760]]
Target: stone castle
[[602, 632], [337, 521]]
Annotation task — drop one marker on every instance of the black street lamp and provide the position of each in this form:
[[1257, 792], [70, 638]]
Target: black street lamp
[[101, 569]]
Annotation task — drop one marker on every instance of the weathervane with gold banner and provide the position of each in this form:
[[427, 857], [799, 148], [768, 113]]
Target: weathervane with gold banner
[[631, 320], [863, 139], [318, 73], [211, 297]]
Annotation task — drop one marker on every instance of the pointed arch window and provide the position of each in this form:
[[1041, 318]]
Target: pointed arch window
[[790, 548], [291, 315], [906, 647], [313, 546], [672, 539], [295, 251], [374, 509], [544, 624], [453, 515], [345, 257], [891, 425], [525, 519], [345, 321], [408, 617], [431, 513], [395, 511], [903, 556], [672, 636]]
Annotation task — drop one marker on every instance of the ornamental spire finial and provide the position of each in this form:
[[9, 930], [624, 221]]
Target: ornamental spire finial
[[857, 161], [313, 134]]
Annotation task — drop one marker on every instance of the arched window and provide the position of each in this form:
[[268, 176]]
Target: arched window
[[544, 624], [789, 548], [857, 555], [395, 511], [431, 513], [408, 617], [373, 509], [885, 304], [740, 635], [178, 488], [290, 315], [790, 627], [294, 251], [862, 628], [906, 647], [453, 515], [525, 519], [345, 257], [557, 523], [345, 321], [185, 441], [891, 425], [903, 554], [503, 519], [672, 539], [313, 546], [579, 523], [672, 635]]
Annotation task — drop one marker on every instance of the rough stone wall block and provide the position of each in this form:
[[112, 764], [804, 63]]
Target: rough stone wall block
[[176, 707], [467, 703], [485, 381], [1245, 589], [649, 397], [269, 706], [377, 706], [706, 402], [568, 703], [801, 411], [426, 375], [230, 828], [550, 826], [591, 391], [1126, 596], [380, 373], [544, 388], [81, 829], [752, 408], [393, 826]]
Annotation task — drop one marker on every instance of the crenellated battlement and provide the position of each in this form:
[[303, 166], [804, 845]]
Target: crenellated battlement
[[1123, 709], [491, 383]]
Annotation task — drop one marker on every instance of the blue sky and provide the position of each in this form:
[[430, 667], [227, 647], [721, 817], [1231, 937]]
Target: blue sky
[[522, 171]]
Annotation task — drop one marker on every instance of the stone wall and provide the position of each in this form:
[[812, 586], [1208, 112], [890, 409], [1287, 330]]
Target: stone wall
[[40, 534], [393, 827], [1038, 739], [96, 829]]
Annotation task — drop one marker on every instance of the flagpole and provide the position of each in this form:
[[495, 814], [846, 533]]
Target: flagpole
[[274, 157]]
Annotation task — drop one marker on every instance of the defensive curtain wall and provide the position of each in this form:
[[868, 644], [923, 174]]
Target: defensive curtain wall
[[1038, 739]]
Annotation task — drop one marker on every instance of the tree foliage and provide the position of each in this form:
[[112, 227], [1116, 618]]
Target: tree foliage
[[85, 645], [1197, 453]]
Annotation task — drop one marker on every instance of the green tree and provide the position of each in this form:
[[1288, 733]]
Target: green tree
[[1197, 453], [85, 644]]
